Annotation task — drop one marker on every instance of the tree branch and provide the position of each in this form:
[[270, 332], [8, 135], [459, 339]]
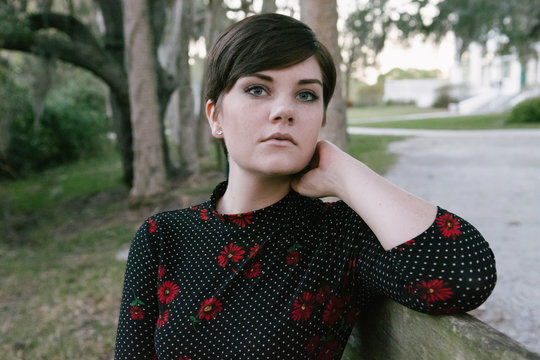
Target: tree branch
[[80, 49]]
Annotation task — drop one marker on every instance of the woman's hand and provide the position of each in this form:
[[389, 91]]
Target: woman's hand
[[324, 172]]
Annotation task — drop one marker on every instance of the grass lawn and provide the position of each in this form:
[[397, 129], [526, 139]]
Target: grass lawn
[[61, 284], [470, 122]]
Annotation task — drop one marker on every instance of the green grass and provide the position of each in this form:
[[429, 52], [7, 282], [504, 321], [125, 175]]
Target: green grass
[[61, 284], [42, 191], [372, 151], [382, 111], [471, 122]]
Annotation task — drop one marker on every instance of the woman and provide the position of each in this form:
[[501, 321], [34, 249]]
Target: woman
[[264, 269]]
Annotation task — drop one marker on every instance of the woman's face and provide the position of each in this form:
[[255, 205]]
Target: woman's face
[[271, 119]]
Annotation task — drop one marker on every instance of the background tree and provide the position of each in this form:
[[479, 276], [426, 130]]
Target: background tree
[[71, 41], [322, 17], [150, 175], [364, 37], [189, 156], [215, 21], [514, 25]]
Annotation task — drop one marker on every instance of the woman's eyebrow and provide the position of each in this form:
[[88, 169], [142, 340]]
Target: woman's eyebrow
[[310, 81], [262, 77], [300, 82]]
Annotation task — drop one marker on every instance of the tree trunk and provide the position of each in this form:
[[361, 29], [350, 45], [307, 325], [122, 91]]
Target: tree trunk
[[166, 83], [149, 169], [214, 24], [120, 111], [189, 159], [322, 17], [268, 6]]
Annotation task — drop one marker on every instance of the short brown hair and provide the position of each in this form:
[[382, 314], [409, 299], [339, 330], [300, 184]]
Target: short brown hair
[[264, 42]]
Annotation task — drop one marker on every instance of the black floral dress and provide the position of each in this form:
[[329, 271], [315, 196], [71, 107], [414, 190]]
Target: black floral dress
[[285, 282]]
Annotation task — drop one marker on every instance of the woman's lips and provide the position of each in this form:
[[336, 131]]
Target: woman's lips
[[280, 138]]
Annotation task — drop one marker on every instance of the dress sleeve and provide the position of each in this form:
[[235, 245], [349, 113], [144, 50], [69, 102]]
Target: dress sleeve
[[449, 268], [139, 307]]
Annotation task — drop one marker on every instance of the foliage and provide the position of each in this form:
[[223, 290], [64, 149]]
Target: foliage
[[14, 106], [515, 24], [369, 95], [367, 30], [527, 111], [73, 126], [443, 100]]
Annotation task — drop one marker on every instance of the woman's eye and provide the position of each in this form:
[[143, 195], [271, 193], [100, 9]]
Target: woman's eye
[[307, 96], [256, 90]]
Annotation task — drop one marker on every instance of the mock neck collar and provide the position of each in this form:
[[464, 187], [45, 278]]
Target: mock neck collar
[[269, 215]]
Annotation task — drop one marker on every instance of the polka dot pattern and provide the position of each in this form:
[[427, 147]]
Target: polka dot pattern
[[287, 281]]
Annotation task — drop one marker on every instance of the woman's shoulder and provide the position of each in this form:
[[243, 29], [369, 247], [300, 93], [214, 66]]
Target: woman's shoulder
[[177, 216]]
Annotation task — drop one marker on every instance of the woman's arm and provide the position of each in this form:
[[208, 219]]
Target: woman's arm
[[139, 310], [394, 215]]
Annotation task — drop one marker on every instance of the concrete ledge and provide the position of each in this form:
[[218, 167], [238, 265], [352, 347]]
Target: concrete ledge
[[390, 331]]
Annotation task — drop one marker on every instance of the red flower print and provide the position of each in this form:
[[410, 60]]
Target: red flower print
[[204, 214], [349, 275], [434, 290], [152, 226], [352, 317], [327, 205], [232, 252], [136, 313], [407, 243], [161, 271], [210, 308], [333, 310], [219, 216], [313, 345], [255, 251], [167, 292], [162, 318], [322, 294], [241, 219], [253, 271], [328, 349], [292, 257], [409, 289], [448, 225], [302, 307]]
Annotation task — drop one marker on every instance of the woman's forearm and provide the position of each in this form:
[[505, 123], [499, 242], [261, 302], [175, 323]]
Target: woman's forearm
[[393, 214]]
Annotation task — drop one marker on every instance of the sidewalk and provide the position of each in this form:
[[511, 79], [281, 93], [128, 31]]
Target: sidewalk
[[492, 179]]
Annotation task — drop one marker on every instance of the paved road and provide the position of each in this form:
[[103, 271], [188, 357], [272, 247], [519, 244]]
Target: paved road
[[491, 178]]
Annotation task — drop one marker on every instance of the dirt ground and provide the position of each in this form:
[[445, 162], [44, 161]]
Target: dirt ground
[[492, 179]]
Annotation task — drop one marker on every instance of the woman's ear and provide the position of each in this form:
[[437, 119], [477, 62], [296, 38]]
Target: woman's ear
[[213, 119]]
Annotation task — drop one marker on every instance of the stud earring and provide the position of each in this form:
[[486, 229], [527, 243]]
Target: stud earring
[[219, 132]]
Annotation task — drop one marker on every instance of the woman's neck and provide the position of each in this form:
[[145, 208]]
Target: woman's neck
[[247, 193]]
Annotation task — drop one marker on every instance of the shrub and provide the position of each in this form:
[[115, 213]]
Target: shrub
[[443, 100], [527, 111], [73, 126]]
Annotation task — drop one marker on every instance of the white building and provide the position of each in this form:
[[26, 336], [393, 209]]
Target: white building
[[481, 80]]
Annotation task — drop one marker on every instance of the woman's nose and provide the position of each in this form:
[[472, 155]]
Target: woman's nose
[[282, 110]]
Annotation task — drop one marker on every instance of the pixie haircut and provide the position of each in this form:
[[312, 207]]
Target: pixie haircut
[[264, 42]]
